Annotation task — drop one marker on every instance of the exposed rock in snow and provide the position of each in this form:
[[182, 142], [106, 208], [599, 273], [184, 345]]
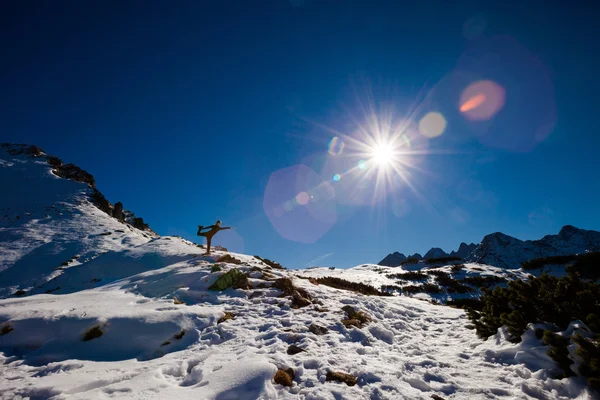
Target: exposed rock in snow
[[48, 223], [110, 311]]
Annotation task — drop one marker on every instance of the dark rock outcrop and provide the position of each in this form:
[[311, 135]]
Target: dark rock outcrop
[[74, 173], [117, 211]]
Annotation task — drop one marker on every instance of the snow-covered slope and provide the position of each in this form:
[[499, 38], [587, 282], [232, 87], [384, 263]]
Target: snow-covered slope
[[164, 335], [49, 223], [470, 277], [104, 310]]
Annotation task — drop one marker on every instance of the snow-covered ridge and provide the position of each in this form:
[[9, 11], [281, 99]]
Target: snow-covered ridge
[[508, 252], [49, 219], [143, 322], [435, 282], [93, 308], [505, 251]]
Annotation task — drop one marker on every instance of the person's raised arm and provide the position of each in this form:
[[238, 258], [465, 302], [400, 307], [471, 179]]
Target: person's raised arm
[[225, 227]]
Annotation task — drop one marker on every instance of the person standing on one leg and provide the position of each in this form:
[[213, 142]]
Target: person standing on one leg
[[212, 231]]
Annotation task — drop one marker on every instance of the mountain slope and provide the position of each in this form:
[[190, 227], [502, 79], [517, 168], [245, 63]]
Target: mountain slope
[[393, 259], [435, 252], [49, 222], [464, 250], [106, 310], [505, 251], [163, 333]]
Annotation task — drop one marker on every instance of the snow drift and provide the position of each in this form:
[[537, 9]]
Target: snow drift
[[95, 308]]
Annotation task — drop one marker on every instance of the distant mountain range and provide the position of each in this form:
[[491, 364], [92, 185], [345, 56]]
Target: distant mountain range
[[505, 251]]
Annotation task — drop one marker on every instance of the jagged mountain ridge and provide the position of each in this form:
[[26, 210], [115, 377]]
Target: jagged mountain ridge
[[22, 153], [504, 251], [105, 309], [464, 250], [394, 259]]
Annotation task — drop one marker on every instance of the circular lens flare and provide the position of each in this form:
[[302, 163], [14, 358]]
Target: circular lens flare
[[335, 146], [482, 100], [302, 198], [432, 125], [299, 204]]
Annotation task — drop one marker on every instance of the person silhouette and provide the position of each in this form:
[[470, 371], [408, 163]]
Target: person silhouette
[[212, 231]]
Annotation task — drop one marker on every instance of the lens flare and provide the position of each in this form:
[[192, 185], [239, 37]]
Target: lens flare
[[382, 148], [473, 102], [482, 100], [299, 204], [302, 198], [432, 125], [288, 206], [335, 146], [406, 141]]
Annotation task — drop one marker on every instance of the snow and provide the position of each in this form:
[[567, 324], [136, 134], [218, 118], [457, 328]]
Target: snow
[[505, 251], [162, 336], [45, 221], [508, 252], [378, 276], [411, 350]]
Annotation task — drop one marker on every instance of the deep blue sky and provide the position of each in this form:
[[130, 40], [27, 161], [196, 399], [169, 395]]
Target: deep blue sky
[[183, 110]]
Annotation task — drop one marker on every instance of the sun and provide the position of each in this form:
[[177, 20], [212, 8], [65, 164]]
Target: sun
[[383, 154], [378, 157]]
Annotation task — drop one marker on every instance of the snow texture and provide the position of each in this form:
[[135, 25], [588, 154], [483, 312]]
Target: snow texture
[[130, 315]]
